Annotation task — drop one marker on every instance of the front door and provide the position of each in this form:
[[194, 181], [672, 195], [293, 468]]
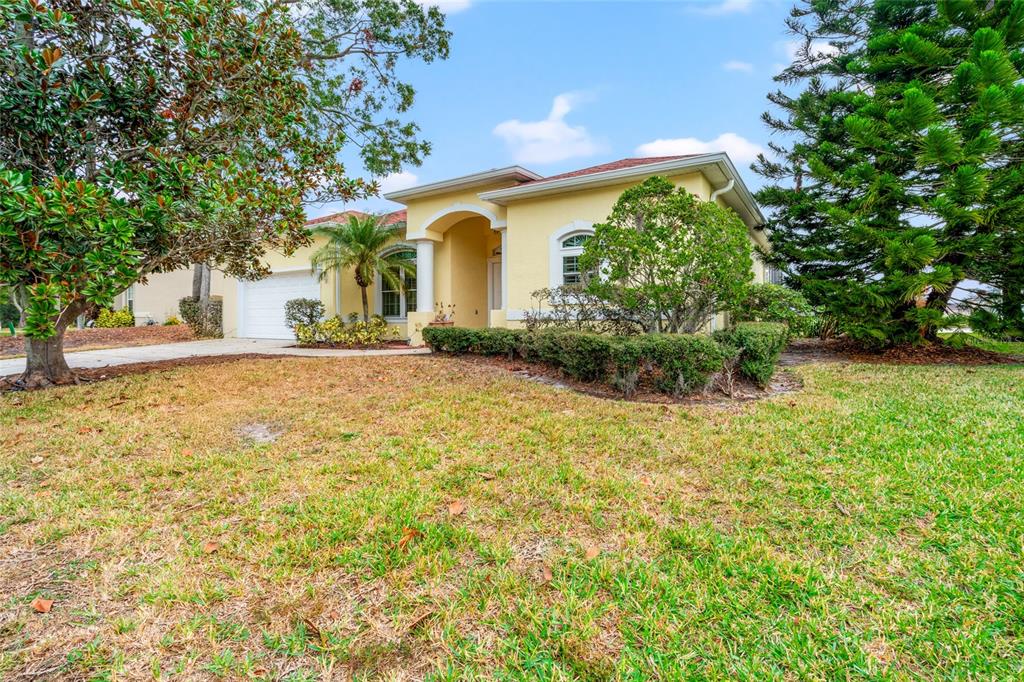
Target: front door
[[495, 280]]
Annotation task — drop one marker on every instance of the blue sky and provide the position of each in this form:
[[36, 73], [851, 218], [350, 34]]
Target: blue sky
[[555, 86]]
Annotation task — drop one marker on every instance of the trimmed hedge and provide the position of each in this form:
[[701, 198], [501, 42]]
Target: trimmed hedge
[[205, 321], [678, 363], [759, 345]]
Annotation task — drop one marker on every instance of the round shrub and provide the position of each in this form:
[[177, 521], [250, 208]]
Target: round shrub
[[775, 303], [109, 319], [759, 345], [307, 311]]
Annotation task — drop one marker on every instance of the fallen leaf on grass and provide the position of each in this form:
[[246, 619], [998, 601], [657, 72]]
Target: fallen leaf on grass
[[187, 452], [592, 552], [351, 479], [456, 507], [37, 460], [407, 536], [40, 605], [418, 620], [646, 480], [487, 475], [85, 429], [547, 575], [210, 547], [312, 630]]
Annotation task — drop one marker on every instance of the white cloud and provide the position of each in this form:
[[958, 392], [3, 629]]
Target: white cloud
[[551, 139], [397, 181], [726, 7], [446, 6], [739, 149], [819, 48], [736, 65]]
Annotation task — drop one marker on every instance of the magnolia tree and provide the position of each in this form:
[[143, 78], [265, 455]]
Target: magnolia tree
[[667, 259], [141, 136]]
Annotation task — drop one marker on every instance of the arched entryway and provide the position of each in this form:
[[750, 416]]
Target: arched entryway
[[460, 251]]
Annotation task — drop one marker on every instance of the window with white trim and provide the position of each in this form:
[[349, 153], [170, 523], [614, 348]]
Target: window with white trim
[[398, 302], [570, 250]]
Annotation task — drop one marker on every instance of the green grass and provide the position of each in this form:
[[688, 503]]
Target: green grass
[[868, 527]]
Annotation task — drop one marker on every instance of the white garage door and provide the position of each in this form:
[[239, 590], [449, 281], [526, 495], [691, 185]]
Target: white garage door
[[263, 302]]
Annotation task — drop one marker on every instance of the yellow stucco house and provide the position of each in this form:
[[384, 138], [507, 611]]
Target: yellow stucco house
[[482, 242]]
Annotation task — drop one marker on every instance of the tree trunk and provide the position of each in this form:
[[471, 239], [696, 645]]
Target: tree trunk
[[939, 300], [45, 365], [201, 282], [366, 305], [20, 303]]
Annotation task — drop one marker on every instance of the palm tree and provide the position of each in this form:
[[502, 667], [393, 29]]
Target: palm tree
[[360, 244]]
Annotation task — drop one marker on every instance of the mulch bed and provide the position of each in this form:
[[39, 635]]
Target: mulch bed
[[387, 345], [742, 389], [120, 337], [804, 351]]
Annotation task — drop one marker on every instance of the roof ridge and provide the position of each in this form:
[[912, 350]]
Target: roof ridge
[[626, 162], [390, 217]]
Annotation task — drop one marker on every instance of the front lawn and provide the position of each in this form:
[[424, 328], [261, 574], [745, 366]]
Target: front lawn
[[95, 338], [425, 517]]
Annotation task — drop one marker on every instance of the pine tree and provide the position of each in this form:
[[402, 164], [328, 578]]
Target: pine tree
[[902, 179]]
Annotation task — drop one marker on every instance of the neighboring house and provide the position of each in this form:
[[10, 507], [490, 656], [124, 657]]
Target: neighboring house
[[483, 243]]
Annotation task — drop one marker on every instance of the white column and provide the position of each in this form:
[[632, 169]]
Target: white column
[[424, 276], [504, 270]]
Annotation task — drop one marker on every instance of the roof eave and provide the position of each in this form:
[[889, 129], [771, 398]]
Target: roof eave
[[514, 173], [504, 196]]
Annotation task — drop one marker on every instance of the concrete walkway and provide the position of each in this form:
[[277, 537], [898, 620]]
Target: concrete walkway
[[88, 359]]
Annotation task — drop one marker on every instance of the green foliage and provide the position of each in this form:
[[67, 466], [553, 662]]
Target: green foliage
[[901, 178], [667, 258], [498, 341], [362, 245], [581, 355], [686, 361], [305, 311], [448, 339], [994, 326], [9, 314], [334, 332], [205, 320], [577, 308], [192, 132], [115, 318], [759, 345], [675, 363], [775, 303]]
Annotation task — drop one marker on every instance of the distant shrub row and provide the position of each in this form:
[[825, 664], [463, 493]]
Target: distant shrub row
[[676, 364]]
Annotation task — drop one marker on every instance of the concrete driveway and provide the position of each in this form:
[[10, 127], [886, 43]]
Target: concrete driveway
[[89, 359]]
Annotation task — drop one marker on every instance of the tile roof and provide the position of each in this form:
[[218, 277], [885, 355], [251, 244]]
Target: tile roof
[[614, 165], [389, 219]]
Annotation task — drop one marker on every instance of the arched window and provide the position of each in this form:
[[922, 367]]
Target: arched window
[[566, 248], [570, 251], [396, 303]]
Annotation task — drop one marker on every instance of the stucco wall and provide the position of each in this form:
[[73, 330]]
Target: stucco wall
[[158, 297], [532, 222], [463, 243], [423, 213]]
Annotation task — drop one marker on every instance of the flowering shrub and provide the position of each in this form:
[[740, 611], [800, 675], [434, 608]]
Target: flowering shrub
[[335, 332], [115, 318]]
